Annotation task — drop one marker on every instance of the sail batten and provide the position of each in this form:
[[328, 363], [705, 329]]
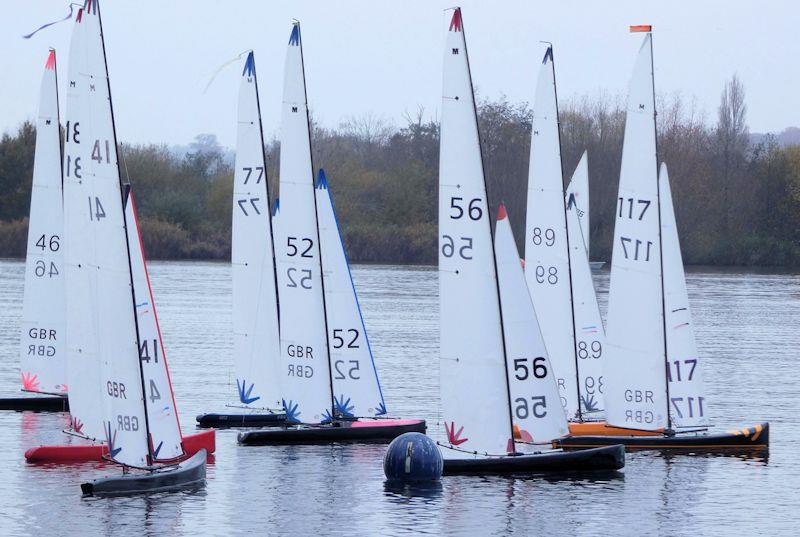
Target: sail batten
[[255, 301], [306, 376], [474, 390], [635, 356], [42, 352]]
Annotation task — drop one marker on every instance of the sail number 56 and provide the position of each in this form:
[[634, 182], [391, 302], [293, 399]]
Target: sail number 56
[[473, 209]]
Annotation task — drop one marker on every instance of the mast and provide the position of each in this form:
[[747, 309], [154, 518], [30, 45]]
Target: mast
[[123, 196], [660, 238], [569, 260], [491, 233], [316, 222]]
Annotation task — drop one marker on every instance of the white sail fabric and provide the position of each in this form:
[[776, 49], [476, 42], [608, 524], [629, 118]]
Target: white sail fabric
[[101, 335], [42, 352], [356, 389], [546, 249], [256, 338], [634, 355], [578, 187], [589, 331], [162, 414], [473, 386], [687, 394], [536, 409], [305, 380]]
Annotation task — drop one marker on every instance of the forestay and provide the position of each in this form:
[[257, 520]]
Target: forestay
[[635, 358], [306, 385], [473, 386], [101, 329], [356, 389], [546, 247], [165, 431], [536, 409], [578, 187], [687, 392], [256, 338], [42, 353], [589, 331]]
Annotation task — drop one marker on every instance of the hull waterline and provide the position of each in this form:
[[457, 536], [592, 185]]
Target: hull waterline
[[224, 421], [607, 458], [379, 431], [53, 403]]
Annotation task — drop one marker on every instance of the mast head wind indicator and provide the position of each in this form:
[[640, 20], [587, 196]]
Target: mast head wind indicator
[[646, 28]]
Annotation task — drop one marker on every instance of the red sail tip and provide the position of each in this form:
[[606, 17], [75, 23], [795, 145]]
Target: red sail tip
[[641, 28], [501, 212], [89, 5], [455, 22], [79, 16], [51, 61]]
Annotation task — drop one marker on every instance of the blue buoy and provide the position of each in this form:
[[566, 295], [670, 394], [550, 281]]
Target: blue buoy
[[413, 457]]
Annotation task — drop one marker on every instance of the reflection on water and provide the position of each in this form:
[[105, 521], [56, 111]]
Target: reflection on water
[[746, 326]]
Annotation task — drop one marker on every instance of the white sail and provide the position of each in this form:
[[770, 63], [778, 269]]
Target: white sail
[[546, 249], [589, 331], [578, 187], [305, 383], [102, 347], [42, 352], [473, 386], [635, 369], [356, 390], [536, 408], [687, 394], [162, 413], [256, 338]]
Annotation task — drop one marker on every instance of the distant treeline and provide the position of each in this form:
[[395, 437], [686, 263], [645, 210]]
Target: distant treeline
[[737, 202]]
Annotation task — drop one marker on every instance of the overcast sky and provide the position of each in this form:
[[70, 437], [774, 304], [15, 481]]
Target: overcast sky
[[384, 58]]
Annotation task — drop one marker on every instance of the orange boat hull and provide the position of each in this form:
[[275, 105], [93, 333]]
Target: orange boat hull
[[600, 428], [95, 452]]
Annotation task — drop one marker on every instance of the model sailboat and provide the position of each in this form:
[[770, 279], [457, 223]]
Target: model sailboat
[[497, 383], [654, 394], [256, 335], [578, 192], [42, 352], [121, 394], [328, 381]]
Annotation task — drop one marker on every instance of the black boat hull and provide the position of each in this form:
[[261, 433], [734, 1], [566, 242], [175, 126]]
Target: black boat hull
[[607, 458], [225, 421], [746, 439], [52, 403], [189, 473], [378, 431]]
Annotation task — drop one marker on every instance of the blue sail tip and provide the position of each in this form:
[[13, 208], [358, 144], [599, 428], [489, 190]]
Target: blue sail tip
[[322, 180], [276, 207], [548, 55], [249, 65], [294, 39]]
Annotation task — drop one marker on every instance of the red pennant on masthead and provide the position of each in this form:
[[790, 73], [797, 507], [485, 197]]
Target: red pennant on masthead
[[455, 22]]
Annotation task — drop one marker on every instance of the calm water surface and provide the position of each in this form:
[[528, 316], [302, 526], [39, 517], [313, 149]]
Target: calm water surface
[[747, 330]]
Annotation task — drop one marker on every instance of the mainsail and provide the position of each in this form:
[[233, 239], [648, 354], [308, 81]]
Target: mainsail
[[578, 191], [635, 354], [536, 408], [102, 342], [547, 266], [356, 389], [165, 431], [687, 394], [474, 390], [306, 379], [256, 338], [42, 352]]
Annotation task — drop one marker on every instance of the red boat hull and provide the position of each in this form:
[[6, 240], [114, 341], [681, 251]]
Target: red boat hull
[[95, 452]]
